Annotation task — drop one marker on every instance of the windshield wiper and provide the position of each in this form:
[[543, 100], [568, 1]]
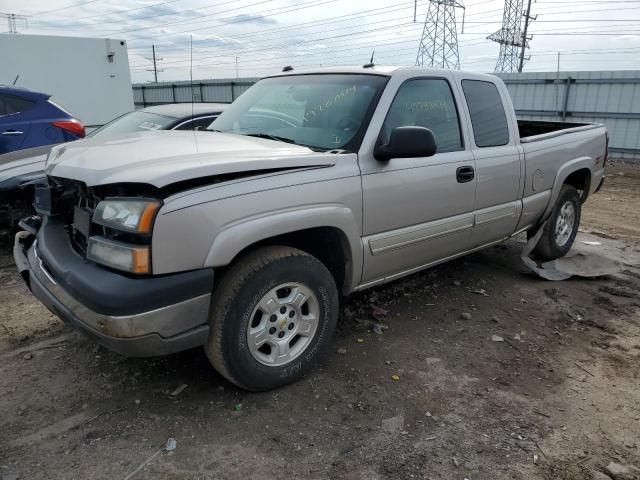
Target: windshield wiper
[[271, 137]]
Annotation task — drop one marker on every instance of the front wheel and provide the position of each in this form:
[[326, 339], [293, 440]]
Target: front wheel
[[272, 317], [561, 228]]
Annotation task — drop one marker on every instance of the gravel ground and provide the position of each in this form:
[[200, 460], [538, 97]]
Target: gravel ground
[[433, 396]]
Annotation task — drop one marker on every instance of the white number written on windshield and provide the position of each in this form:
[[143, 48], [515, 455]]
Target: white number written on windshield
[[328, 103]]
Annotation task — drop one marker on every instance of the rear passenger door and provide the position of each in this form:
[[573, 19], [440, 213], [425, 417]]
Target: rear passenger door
[[418, 210], [14, 127], [498, 160]]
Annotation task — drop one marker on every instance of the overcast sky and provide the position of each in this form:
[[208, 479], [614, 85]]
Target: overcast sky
[[265, 35]]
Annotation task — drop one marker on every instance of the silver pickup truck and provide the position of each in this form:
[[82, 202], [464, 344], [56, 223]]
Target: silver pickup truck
[[312, 185]]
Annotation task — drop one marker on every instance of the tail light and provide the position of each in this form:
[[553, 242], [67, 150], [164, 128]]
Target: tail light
[[72, 126], [606, 150]]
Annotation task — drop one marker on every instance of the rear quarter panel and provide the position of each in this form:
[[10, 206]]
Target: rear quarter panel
[[549, 161]]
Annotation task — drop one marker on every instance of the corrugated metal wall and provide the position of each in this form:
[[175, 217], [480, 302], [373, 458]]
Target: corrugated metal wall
[[216, 91], [608, 97]]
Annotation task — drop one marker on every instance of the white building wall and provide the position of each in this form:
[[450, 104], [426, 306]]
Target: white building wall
[[89, 77]]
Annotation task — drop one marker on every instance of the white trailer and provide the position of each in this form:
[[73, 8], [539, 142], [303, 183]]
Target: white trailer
[[89, 77]]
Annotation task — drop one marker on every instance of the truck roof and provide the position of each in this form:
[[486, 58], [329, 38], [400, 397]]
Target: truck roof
[[383, 70]]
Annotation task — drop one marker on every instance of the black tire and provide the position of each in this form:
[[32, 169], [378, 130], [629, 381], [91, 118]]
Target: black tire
[[548, 247], [239, 292]]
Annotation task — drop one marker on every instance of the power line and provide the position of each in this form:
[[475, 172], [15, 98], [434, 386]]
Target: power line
[[79, 4], [378, 45], [187, 20], [302, 6], [118, 12], [336, 57], [368, 47], [359, 34], [322, 22], [591, 10], [304, 42], [270, 65], [11, 21], [261, 32], [325, 31]]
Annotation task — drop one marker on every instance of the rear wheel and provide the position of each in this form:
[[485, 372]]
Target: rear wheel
[[561, 228], [272, 317]]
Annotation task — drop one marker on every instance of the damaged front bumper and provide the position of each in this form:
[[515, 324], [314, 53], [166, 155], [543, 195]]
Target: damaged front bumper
[[136, 317]]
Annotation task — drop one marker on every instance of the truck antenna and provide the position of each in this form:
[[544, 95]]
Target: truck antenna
[[191, 73], [370, 64], [16, 80]]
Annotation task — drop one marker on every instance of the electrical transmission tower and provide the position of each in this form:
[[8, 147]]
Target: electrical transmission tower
[[439, 44], [11, 19], [511, 37]]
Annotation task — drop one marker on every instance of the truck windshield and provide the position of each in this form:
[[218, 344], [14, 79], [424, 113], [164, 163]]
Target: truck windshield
[[322, 112]]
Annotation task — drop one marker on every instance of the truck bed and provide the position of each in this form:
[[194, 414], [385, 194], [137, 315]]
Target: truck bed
[[533, 130]]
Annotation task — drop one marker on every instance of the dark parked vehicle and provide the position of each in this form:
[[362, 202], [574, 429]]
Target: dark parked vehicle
[[20, 170], [176, 116], [30, 119]]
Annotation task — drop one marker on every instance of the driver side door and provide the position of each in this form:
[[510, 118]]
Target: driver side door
[[418, 210]]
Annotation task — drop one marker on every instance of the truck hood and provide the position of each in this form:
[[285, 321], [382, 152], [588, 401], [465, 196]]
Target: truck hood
[[166, 157]]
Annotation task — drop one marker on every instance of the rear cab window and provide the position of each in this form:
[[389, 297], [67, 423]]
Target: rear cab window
[[488, 117]]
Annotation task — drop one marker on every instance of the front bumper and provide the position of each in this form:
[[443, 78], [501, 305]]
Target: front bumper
[[147, 327]]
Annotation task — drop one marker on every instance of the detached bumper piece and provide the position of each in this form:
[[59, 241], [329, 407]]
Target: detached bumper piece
[[136, 317]]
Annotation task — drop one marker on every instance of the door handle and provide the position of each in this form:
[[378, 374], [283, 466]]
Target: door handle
[[465, 174], [12, 133]]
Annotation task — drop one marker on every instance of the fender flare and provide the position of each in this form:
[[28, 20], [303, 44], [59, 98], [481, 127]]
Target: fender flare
[[563, 172], [236, 236]]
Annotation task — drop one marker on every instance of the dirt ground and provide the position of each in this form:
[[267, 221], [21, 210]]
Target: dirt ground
[[433, 396]]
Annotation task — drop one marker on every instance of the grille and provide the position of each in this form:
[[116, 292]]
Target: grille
[[82, 205]]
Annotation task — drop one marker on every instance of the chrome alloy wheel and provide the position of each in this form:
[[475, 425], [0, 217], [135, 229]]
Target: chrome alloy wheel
[[283, 324], [565, 223]]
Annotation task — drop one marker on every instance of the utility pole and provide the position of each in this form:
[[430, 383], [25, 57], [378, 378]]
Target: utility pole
[[525, 40], [155, 66], [11, 20], [236, 67], [439, 43]]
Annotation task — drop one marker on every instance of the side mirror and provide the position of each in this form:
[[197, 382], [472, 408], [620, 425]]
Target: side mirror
[[407, 142]]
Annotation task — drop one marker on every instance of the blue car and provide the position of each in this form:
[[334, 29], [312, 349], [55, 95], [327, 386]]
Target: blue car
[[30, 119]]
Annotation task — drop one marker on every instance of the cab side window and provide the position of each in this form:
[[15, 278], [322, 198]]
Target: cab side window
[[426, 103]]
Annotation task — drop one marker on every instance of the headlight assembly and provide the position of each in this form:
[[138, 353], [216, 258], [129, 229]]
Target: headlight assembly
[[134, 215]]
